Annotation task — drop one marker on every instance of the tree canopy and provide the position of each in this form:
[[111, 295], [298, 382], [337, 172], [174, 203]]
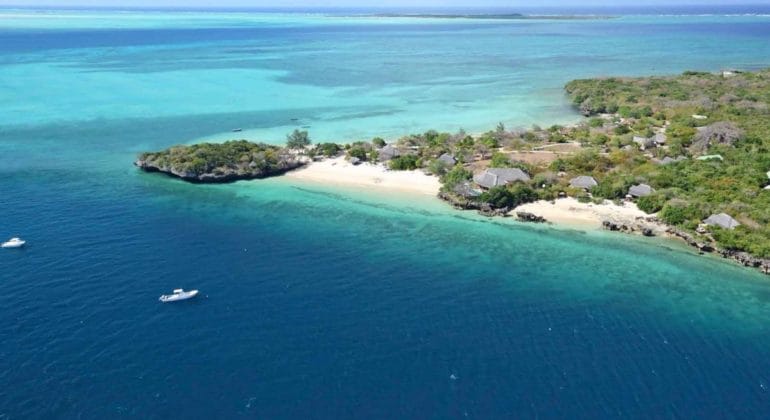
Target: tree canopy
[[298, 139]]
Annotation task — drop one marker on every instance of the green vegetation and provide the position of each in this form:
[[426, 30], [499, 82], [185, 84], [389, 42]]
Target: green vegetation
[[404, 163], [455, 176], [298, 140], [378, 142], [357, 152], [652, 203], [702, 113], [219, 162], [642, 130], [328, 149], [500, 160], [509, 196], [438, 167], [639, 131]]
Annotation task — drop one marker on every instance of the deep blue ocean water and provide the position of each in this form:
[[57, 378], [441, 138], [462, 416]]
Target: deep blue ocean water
[[331, 303]]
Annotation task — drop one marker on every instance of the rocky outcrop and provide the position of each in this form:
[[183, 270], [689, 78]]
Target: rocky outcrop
[[612, 226], [702, 246], [486, 209], [458, 202], [646, 226], [525, 216], [219, 175], [462, 203]]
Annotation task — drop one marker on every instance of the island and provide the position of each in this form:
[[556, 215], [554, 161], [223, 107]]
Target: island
[[685, 156]]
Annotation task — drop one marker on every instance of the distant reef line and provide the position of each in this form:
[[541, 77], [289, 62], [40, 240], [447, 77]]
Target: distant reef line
[[485, 16]]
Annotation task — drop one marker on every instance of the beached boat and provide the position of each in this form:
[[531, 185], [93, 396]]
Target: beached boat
[[179, 294], [13, 243]]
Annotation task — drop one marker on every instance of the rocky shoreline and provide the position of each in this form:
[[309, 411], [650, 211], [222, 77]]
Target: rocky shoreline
[[218, 176], [645, 226], [743, 258]]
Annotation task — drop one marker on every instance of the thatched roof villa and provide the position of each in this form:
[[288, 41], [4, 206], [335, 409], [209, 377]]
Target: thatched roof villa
[[447, 159], [722, 220], [388, 152], [641, 190], [584, 182], [494, 177]]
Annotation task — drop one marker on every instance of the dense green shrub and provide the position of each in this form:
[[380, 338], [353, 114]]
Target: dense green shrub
[[328, 149], [613, 186], [679, 213], [652, 203], [500, 160], [298, 139], [404, 163], [509, 196], [621, 129], [595, 122], [455, 176], [358, 152], [438, 167]]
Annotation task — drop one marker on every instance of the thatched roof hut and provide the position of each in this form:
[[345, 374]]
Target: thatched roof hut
[[641, 190], [447, 159], [584, 182], [388, 152], [722, 220], [494, 177]]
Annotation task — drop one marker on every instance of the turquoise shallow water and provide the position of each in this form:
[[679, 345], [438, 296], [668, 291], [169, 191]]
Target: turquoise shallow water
[[329, 303], [345, 78]]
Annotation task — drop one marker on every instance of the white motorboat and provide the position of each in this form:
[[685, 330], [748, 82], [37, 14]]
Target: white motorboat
[[179, 294], [13, 243]]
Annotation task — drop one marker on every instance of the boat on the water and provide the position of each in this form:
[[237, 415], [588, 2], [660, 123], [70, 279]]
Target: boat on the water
[[237, 130], [179, 294], [13, 243]]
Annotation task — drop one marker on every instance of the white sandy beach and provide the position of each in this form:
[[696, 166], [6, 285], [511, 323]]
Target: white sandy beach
[[566, 211], [340, 172], [571, 212]]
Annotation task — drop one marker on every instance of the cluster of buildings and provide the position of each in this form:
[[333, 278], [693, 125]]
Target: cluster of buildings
[[495, 177]]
